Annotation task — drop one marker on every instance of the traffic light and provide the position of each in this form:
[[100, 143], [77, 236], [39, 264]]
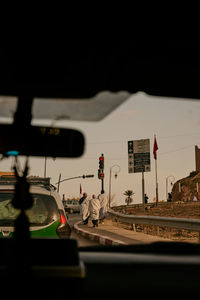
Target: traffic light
[[101, 167], [87, 176], [101, 162], [100, 174]]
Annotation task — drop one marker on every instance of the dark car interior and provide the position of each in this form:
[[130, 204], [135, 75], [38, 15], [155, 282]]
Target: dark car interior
[[168, 68]]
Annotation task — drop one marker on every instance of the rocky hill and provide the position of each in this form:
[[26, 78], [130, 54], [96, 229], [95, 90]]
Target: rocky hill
[[186, 189]]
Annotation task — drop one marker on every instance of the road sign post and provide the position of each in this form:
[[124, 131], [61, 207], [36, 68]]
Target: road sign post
[[139, 160], [143, 191]]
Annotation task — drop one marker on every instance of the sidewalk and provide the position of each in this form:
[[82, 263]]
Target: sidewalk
[[108, 234]]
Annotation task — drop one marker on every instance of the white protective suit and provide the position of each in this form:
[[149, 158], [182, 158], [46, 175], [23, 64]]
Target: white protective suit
[[84, 210], [103, 198], [94, 208]]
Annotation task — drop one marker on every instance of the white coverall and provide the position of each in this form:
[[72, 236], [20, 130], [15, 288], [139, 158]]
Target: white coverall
[[103, 198], [94, 208], [84, 210]]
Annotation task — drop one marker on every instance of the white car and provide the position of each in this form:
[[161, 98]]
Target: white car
[[71, 206], [47, 216]]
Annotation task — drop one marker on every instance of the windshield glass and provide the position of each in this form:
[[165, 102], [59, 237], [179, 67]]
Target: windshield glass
[[151, 168], [43, 212]]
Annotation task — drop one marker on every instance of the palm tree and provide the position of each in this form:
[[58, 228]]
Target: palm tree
[[129, 193]]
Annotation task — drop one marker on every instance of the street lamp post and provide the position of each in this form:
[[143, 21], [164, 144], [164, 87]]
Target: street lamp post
[[110, 180], [45, 167], [173, 179]]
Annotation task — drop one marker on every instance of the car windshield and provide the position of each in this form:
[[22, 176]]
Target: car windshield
[[150, 177], [43, 211]]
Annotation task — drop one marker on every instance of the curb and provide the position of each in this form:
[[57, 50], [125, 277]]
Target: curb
[[103, 240]]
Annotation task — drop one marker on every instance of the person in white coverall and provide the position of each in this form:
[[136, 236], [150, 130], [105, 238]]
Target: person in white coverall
[[103, 198], [94, 210], [84, 209]]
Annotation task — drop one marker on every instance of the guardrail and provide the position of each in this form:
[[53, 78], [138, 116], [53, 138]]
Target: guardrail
[[140, 205], [180, 223]]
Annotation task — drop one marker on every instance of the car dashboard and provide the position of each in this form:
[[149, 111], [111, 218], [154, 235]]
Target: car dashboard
[[145, 271]]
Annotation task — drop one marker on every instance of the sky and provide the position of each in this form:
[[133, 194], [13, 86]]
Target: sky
[[176, 124]]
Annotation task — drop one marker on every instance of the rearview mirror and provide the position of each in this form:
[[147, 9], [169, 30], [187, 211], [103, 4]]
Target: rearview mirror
[[40, 141]]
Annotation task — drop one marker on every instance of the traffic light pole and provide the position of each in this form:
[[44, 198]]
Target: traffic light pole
[[101, 172], [102, 186], [83, 176]]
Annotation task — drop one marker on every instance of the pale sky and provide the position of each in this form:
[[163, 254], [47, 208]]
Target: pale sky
[[176, 123]]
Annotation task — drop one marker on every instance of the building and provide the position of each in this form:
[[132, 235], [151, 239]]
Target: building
[[197, 158]]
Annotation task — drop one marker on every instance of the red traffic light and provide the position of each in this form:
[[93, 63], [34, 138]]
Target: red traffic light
[[100, 174], [101, 162]]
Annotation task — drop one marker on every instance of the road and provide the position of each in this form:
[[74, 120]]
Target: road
[[82, 242], [108, 234]]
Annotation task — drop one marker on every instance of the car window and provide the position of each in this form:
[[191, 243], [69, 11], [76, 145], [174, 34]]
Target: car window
[[43, 211], [75, 203]]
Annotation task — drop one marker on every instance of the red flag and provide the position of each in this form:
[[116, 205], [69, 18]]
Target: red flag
[[155, 148], [80, 189]]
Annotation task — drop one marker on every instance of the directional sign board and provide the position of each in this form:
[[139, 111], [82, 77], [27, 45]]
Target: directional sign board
[[139, 156]]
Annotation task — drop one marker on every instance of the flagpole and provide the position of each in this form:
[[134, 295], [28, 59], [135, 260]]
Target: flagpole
[[80, 190], [155, 148], [156, 182]]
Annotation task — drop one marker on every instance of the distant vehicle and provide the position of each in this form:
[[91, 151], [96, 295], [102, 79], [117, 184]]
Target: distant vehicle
[[47, 216], [71, 206]]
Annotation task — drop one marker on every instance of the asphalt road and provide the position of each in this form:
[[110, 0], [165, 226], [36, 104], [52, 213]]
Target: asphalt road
[[107, 233], [82, 242]]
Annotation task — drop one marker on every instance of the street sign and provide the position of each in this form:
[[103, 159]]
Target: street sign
[[139, 156]]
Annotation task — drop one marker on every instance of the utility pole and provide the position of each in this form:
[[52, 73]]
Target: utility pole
[[59, 182]]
